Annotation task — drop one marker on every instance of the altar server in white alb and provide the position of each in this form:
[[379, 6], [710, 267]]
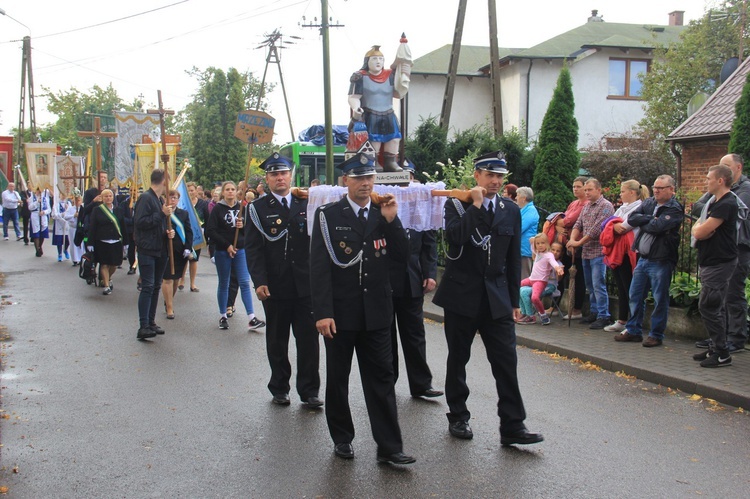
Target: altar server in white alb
[[40, 208]]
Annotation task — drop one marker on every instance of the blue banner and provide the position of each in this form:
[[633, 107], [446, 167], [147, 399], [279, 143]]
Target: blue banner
[[184, 203]]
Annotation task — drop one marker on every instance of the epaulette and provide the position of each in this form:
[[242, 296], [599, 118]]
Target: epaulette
[[355, 77], [327, 205]]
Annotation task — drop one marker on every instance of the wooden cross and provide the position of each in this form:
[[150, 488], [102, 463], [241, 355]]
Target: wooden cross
[[97, 134], [162, 112]]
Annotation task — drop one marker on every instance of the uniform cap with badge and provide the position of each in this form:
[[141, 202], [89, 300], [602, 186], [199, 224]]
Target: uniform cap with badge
[[492, 162], [276, 163], [359, 165]]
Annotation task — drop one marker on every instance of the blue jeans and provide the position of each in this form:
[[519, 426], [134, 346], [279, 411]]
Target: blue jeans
[[151, 270], [9, 215], [653, 275], [595, 274], [224, 265]]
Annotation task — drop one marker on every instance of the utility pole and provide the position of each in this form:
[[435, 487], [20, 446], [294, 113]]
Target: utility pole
[[497, 103], [27, 86], [450, 84], [324, 25], [271, 41]]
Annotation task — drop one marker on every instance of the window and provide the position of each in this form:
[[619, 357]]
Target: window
[[623, 77]]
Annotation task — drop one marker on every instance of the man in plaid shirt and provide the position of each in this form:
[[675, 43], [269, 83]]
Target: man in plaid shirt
[[586, 235]]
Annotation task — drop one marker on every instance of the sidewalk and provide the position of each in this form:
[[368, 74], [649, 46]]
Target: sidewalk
[[670, 365]]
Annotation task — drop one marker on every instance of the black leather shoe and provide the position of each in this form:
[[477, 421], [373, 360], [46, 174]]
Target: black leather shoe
[[313, 402], [145, 333], [521, 437], [156, 329], [344, 451], [461, 429], [131, 271], [281, 399], [396, 458], [429, 393]]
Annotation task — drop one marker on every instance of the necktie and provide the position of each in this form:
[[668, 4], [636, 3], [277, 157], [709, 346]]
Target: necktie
[[361, 216], [284, 204], [490, 210]]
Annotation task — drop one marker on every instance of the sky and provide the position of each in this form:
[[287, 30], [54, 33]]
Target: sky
[[143, 46]]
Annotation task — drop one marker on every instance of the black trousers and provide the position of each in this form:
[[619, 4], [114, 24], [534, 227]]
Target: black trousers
[[26, 227], [280, 315], [499, 337], [131, 250], [376, 370], [408, 312], [580, 291], [623, 274]]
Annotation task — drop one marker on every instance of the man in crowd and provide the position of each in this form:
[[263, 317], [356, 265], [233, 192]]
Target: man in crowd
[[150, 226], [11, 203], [716, 235], [352, 242], [479, 291], [585, 234], [736, 301], [410, 281], [659, 219], [278, 258]]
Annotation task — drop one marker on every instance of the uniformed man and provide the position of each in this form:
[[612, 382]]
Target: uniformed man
[[352, 243], [277, 252], [479, 291], [410, 281]]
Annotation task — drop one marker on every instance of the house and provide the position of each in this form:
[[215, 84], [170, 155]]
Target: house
[[604, 60], [702, 139]]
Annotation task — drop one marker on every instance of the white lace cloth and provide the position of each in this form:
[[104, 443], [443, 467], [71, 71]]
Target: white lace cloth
[[417, 208]]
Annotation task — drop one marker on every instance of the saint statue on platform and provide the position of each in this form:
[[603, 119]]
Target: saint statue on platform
[[371, 95]]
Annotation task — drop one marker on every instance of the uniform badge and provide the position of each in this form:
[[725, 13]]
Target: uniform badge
[[348, 250], [278, 221], [383, 251], [273, 230], [377, 254], [342, 244]]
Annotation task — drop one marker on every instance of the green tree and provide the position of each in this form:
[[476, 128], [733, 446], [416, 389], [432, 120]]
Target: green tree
[[680, 70], [739, 139], [427, 147], [557, 156], [207, 124]]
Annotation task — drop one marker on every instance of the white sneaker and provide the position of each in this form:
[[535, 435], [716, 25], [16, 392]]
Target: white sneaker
[[617, 327]]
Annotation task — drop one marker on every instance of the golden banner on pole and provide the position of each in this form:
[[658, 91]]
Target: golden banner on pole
[[40, 157], [148, 155]]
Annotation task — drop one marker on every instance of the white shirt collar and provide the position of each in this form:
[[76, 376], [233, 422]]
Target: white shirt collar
[[357, 207], [486, 202]]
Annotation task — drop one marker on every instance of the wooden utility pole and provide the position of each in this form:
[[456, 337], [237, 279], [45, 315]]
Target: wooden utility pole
[[497, 103], [165, 160], [27, 87], [450, 84], [97, 135]]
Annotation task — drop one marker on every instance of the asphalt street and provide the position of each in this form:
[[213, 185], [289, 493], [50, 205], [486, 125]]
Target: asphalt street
[[88, 411]]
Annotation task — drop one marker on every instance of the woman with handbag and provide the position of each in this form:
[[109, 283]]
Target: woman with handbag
[[105, 239]]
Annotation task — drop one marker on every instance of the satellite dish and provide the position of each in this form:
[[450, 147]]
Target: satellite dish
[[728, 68], [696, 102]]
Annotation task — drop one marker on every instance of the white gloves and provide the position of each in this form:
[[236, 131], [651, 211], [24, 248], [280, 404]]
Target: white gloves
[[90, 249], [186, 253]]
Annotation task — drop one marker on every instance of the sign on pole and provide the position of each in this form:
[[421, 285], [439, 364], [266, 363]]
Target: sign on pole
[[254, 127]]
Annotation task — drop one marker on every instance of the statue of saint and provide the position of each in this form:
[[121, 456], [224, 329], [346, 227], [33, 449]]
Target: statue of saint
[[371, 95]]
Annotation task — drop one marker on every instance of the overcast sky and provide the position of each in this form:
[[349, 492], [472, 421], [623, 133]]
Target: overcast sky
[[143, 53]]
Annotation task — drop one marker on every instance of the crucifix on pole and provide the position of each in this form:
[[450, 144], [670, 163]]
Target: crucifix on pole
[[165, 160], [97, 135]]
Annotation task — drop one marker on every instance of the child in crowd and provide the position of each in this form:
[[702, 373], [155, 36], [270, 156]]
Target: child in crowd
[[557, 249], [534, 286]]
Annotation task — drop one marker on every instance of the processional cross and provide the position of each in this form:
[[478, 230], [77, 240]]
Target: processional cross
[[97, 134]]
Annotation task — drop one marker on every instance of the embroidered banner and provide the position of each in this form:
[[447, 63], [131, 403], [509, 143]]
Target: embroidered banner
[[148, 155], [39, 160], [68, 175], [130, 128]]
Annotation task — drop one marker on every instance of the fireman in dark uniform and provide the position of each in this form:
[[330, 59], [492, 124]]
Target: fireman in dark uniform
[[479, 291], [277, 252], [352, 243]]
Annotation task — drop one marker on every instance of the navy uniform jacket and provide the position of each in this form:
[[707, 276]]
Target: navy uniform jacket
[[336, 292], [466, 278], [281, 265], [406, 279]]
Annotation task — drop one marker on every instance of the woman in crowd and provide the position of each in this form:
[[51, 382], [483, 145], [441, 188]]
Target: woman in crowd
[[529, 227], [105, 239], [182, 250], [221, 228], [570, 218], [509, 191], [40, 208], [63, 213], [632, 193]]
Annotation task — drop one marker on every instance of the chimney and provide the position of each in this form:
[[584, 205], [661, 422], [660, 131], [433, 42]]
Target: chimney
[[595, 18], [676, 17]]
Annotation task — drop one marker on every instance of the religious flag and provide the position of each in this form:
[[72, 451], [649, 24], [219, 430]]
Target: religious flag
[[148, 157], [68, 175], [184, 203], [39, 159], [130, 128]]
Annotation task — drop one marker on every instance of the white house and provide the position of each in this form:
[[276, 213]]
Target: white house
[[604, 60]]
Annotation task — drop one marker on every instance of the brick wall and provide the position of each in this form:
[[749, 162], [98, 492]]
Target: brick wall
[[697, 157]]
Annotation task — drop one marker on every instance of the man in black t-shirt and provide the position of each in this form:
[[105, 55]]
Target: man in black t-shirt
[[716, 233]]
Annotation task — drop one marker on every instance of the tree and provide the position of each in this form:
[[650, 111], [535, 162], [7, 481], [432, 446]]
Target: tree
[[428, 146], [680, 70], [207, 124], [557, 158], [739, 139]]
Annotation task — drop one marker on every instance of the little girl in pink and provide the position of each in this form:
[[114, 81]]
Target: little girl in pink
[[544, 265]]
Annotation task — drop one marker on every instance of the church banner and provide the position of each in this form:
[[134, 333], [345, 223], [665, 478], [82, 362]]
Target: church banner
[[198, 240], [68, 174], [148, 155], [130, 128], [39, 160]]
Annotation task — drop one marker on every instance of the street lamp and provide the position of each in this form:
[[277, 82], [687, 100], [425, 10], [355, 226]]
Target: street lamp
[[2, 12]]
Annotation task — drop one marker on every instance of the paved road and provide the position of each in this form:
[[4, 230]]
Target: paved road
[[94, 413]]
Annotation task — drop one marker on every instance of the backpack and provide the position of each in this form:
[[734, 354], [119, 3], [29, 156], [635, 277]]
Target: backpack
[[87, 269]]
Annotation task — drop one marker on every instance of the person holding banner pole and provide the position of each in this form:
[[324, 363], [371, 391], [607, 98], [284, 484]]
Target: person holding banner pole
[[76, 250], [182, 250], [40, 208]]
